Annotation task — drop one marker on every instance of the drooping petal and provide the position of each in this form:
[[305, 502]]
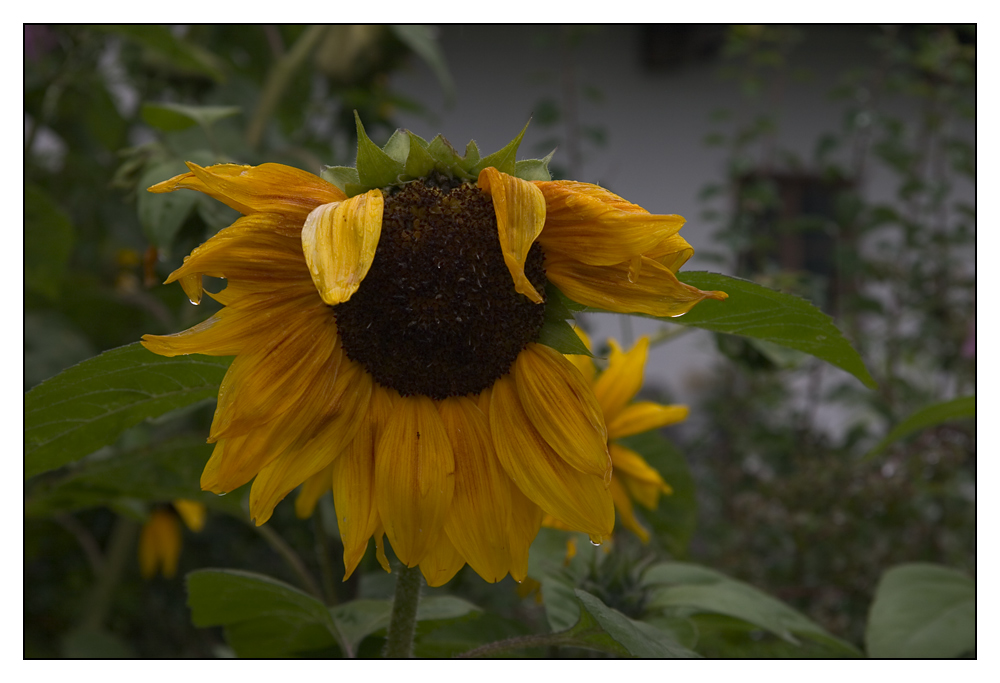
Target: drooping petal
[[656, 292], [643, 416], [273, 188], [312, 490], [441, 562], [623, 378], [414, 478], [346, 411], [520, 211], [597, 227], [623, 506], [580, 500], [642, 481], [339, 242], [354, 482], [192, 512], [562, 407], [479, 520]]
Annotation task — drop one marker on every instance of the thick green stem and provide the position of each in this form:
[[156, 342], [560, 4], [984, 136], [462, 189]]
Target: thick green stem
[[402, 623]]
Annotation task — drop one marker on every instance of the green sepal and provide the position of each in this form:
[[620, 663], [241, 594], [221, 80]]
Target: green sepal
[[534, 169], [398, 146], [504, 160], [471, 157], [375, 167], [447, 158], [558, 334], [341, 176], [419, 163]]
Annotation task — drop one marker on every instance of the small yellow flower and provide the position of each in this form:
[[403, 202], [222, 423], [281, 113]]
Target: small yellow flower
[[387, 348], [160, 539], [615, 388]]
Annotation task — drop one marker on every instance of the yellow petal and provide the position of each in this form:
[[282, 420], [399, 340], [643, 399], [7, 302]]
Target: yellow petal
[[312, 490], [479, 521], [339, 242], [525, 521], [192, 512], [672, 252], [414, 477], [656, 292], [623, 378], [562, 407], [441, 563], [273, 188], [520, 210], [643, 416], [354, 482], [346, 411], [160, 544], [594, 226], [380, 548], [580, 500], [623, 506], [643, 482]]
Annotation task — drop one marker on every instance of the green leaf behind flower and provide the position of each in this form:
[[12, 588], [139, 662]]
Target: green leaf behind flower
[[784, 319], [932, 415], [607, 629], [90, 404]]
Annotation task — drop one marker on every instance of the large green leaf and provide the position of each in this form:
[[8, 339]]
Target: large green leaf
[[784, 319], [693, 589], [930, 416], [168, 116], [89, 405], [607, 629], [922, 610], [264, 617]]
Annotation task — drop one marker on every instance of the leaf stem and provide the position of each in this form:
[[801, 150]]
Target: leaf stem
[[402, 623], [291, 557]]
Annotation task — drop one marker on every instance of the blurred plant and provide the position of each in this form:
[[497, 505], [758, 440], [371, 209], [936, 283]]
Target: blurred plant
[[796, 510]]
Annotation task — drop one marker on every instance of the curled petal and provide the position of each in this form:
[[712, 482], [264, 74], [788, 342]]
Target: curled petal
[[339, 242], [657, 290], [414, 477], [643, 416], [273, 188], [622, 380], [597, 227], [580, 500], [562, 407], [520, 210], [479, 521]]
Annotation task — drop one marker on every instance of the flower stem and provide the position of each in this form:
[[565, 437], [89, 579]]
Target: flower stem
[[399, 642]]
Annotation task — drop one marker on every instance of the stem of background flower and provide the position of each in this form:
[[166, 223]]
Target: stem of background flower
[[291, 557], [119, 551], [323, 555], [402, 623]]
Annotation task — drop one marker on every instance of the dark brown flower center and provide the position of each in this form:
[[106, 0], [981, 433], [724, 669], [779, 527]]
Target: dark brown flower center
[[437, 313]]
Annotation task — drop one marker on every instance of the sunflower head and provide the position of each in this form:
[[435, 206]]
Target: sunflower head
[[396, 341]]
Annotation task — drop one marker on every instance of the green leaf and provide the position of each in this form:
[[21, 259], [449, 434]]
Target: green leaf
[[932, 415], [784, 319], [421, 40], [48, 242], [559, 335], [699, 589], [177, 52], [168, 116], [263, 617], [375, 167], [504, 160], [89, 405], [675, 518], [922, 610], [340, 176], [608, 629]]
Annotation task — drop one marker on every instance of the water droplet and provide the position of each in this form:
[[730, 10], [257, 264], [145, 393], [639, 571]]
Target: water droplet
[[595, 544], [220, 495], [194, 301]]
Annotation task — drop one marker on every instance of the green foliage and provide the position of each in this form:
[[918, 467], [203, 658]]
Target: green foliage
[[607, 629], [930, 416], [922, 611]]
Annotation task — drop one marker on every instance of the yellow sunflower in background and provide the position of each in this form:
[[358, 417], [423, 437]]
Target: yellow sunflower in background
[[387, 338], [633, 478], [160, 538]]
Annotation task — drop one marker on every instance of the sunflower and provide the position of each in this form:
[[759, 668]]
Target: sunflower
[[160, 538], [392, 328], [633, 478]]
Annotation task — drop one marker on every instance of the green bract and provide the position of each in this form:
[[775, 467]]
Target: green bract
[[407, 157]]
